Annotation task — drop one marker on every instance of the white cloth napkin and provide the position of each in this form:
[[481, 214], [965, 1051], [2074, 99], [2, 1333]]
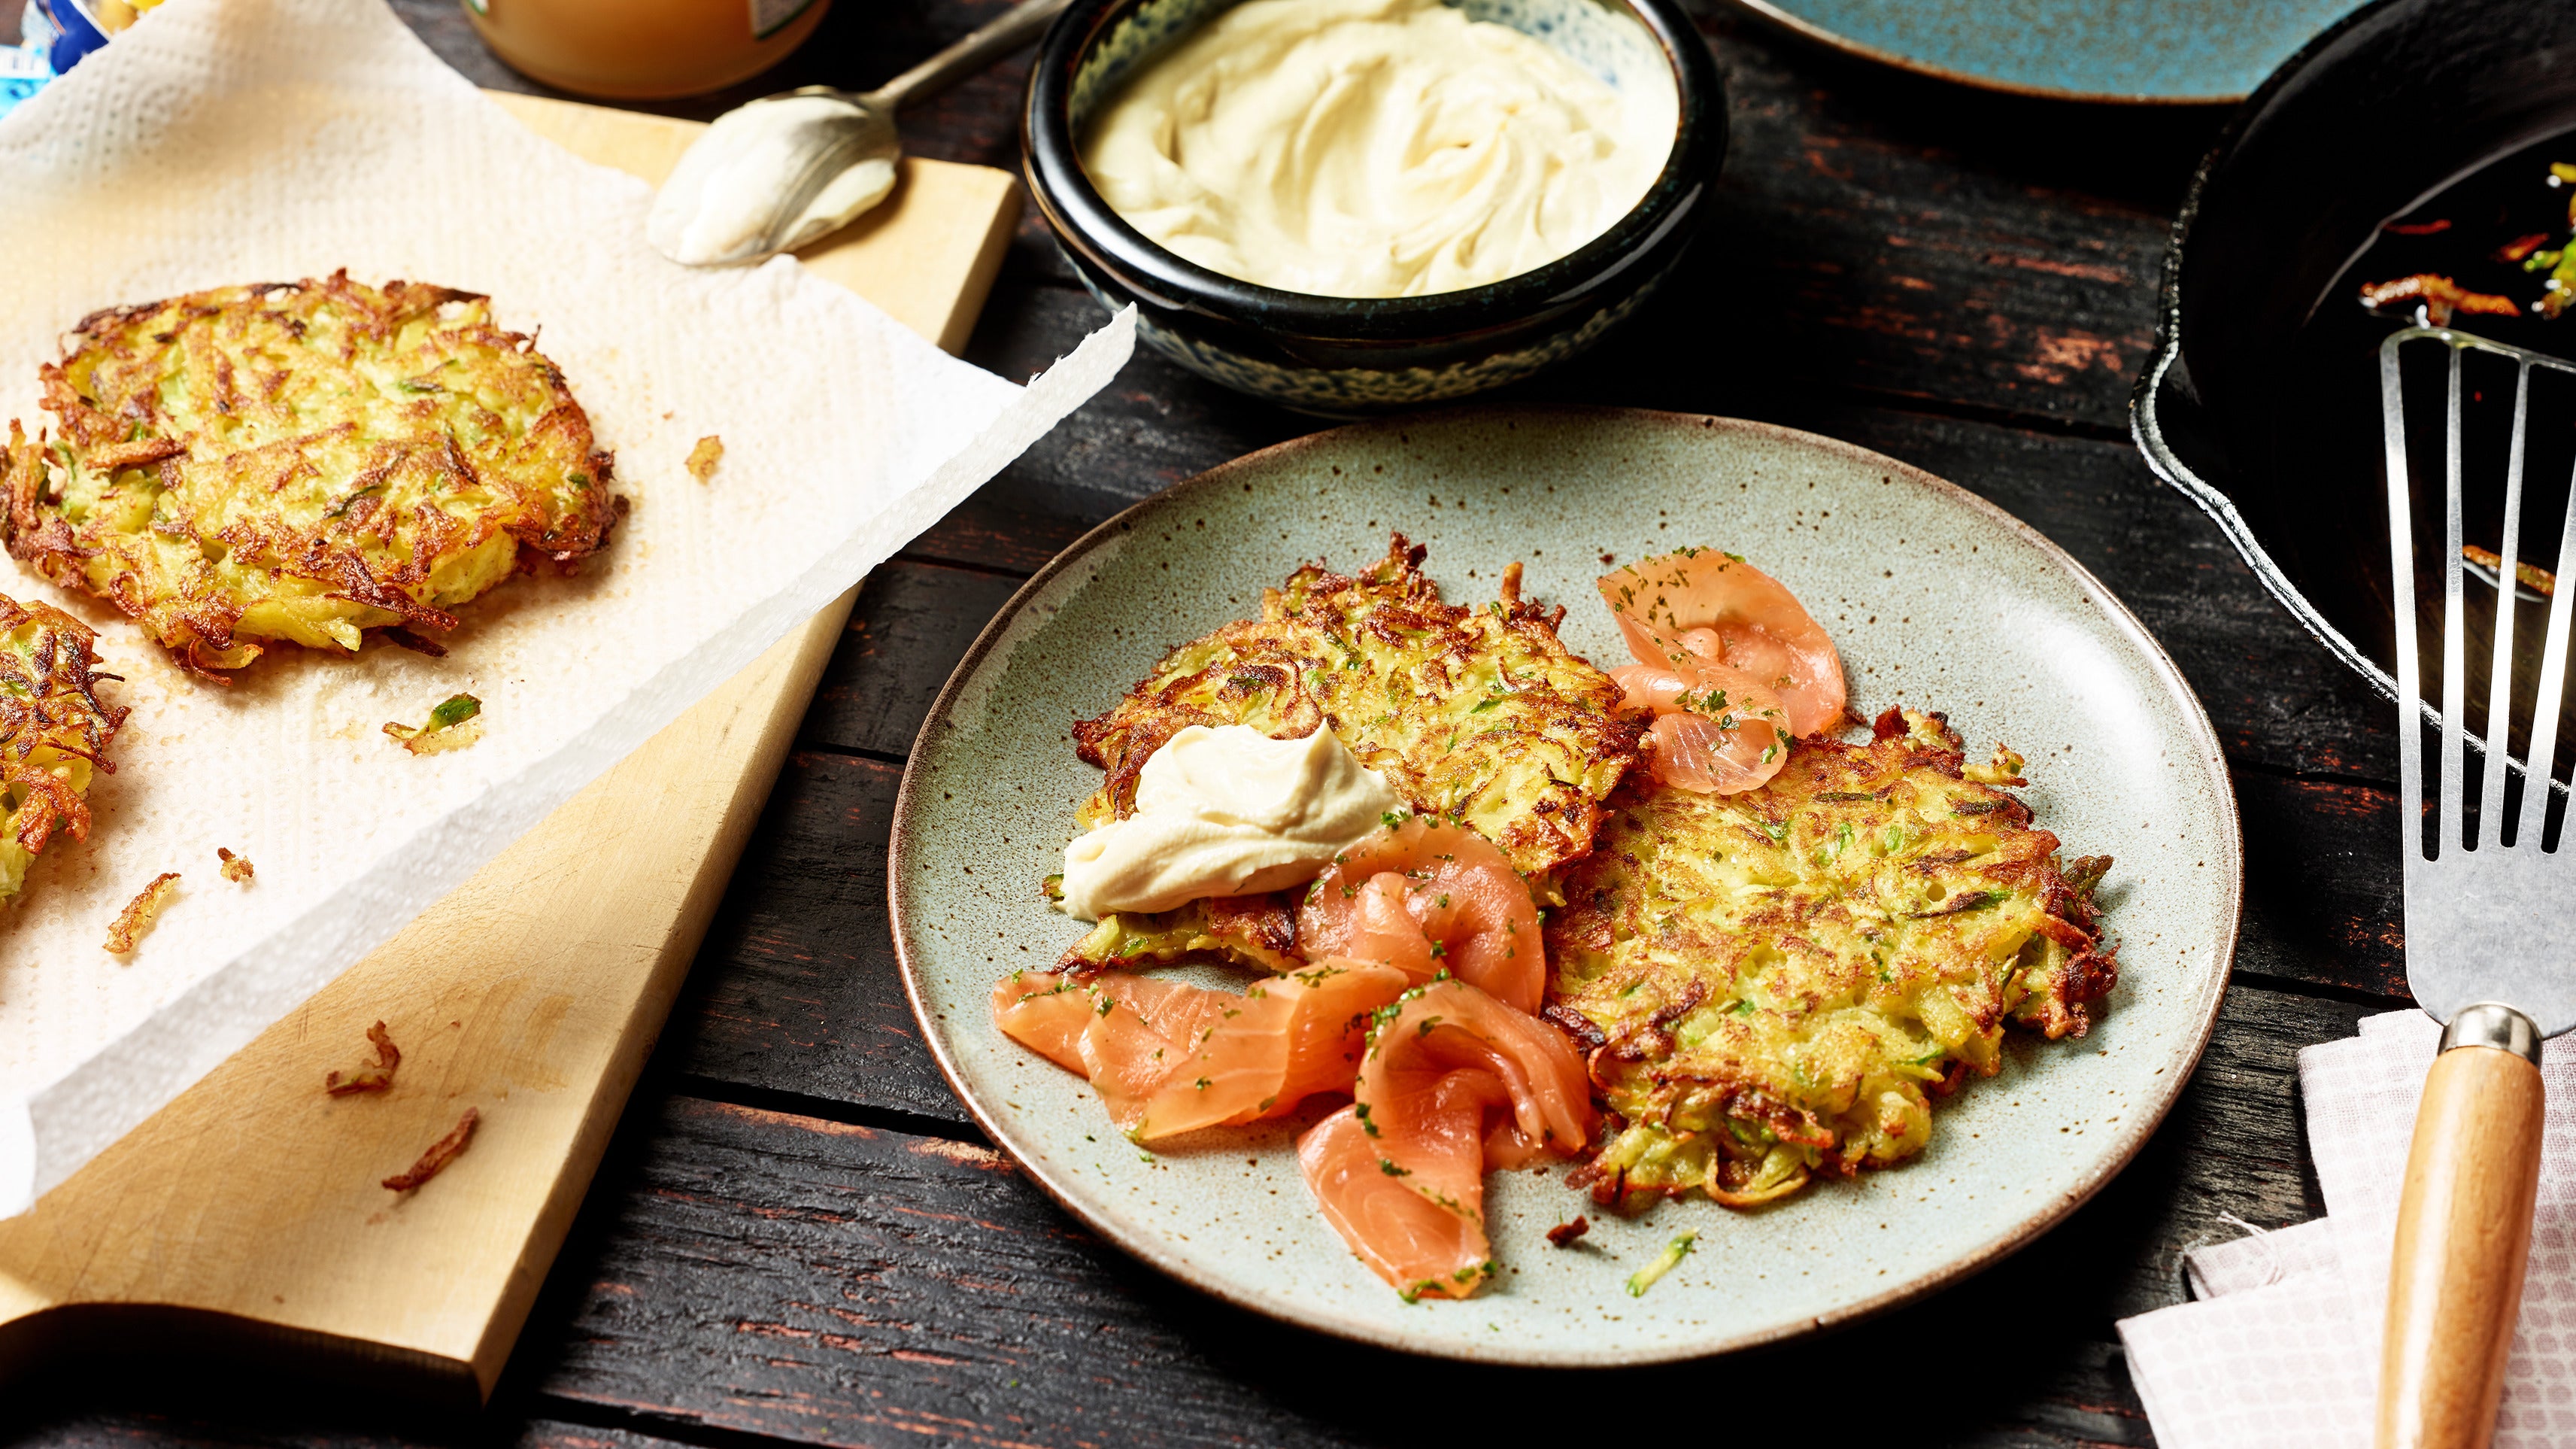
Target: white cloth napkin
[[2283, 1349], [228, 141]]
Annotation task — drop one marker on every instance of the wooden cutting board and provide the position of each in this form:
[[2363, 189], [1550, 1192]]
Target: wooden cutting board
[[245, 1220]]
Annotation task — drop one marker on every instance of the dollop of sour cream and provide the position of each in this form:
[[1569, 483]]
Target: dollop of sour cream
[[1223, 812], [1375, 148], [724, 194]]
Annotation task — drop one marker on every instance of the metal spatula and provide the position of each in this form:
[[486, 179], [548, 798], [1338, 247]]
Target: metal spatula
[[2484, 947]]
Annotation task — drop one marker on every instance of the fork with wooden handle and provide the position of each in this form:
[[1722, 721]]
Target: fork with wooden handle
[[2480, 955]]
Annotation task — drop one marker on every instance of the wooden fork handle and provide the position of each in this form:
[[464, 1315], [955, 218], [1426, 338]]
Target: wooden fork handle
[[2463, 1234]]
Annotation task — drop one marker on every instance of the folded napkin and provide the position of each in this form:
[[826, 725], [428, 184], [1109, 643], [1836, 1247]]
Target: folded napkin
[[2283, 1349], [230, 141]]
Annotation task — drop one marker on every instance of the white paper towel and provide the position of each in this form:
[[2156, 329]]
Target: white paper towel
[[224, 141]]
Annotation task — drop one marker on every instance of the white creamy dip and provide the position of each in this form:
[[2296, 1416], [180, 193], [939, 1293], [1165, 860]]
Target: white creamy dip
[[1374, 148], [1224, 812]]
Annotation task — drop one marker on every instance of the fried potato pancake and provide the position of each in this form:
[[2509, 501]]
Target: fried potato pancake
[[303, 462], [1776, 982], [53, 732], [1480, 716], [1256, 931]]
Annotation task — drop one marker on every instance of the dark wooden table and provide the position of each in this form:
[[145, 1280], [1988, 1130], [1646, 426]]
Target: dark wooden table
[[800, 1238]]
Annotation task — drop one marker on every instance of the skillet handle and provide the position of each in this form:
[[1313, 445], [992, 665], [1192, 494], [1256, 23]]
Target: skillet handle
[[2463, 1234]]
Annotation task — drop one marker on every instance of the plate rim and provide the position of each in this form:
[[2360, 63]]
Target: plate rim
[[1805, 29], [2137, 1128]]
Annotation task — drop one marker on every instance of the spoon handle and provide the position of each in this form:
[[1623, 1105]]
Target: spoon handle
[[1015, 27]]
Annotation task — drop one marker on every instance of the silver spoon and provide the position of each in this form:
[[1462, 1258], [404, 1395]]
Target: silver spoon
[[775, 174]]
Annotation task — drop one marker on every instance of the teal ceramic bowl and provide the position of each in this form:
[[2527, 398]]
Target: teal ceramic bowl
[[1349, 356], [2134, 52]]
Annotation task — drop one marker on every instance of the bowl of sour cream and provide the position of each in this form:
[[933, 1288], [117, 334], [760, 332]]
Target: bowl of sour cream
[[1353, 206]]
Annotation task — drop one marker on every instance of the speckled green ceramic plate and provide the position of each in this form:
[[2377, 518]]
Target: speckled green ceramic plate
[[1936, 598]]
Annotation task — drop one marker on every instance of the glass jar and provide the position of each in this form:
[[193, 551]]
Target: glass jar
[[643, 49]]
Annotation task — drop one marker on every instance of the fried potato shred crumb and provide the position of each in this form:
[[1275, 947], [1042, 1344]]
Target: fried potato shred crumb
[[137, 917], [705, 456], [2530, 575], [237, 868], [2436, 297], [2005, 769], [377, 1078], [442, 1152], [454, 724], [1665, 1262], [1564, 1235]]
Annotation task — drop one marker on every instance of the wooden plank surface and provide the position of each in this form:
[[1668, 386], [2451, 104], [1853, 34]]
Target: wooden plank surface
[[1963, 281], [246, 1218]]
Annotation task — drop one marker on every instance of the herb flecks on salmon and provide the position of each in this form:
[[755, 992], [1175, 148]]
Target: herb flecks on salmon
[[1169, 1058], [1453, 1083]]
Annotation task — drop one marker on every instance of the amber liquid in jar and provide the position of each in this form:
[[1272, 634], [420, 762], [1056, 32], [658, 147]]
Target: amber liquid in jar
[[643, 49]]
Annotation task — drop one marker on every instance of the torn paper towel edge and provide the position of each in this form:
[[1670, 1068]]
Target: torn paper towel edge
[[53, 1132]]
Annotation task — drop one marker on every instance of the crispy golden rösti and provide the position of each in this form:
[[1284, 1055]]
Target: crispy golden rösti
[[1771, 983], [1478, 715], [54, 732], [1259, 932], [303, 462]]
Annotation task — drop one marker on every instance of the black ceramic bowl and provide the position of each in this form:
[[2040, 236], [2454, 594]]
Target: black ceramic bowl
[[1355, 355], [2261, 401]]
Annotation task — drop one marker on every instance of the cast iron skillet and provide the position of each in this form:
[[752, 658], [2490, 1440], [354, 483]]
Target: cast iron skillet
[[2391, 106]]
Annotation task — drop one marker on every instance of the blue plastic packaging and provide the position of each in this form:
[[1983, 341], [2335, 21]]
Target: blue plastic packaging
[[26, 66], [77, 30], [54, 36]]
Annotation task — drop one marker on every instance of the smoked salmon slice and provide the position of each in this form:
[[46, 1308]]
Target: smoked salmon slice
[[1716, 730], [1453, 1082], [1427, 896], [1168, 1057], [1704, 604]]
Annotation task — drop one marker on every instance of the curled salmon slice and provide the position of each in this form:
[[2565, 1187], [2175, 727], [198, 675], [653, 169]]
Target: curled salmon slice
[[1717, 730], [1168, 1057], [1416, 1245], [1453, 1082], [1045, 1012], [1702, 604], [1424, 897]]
